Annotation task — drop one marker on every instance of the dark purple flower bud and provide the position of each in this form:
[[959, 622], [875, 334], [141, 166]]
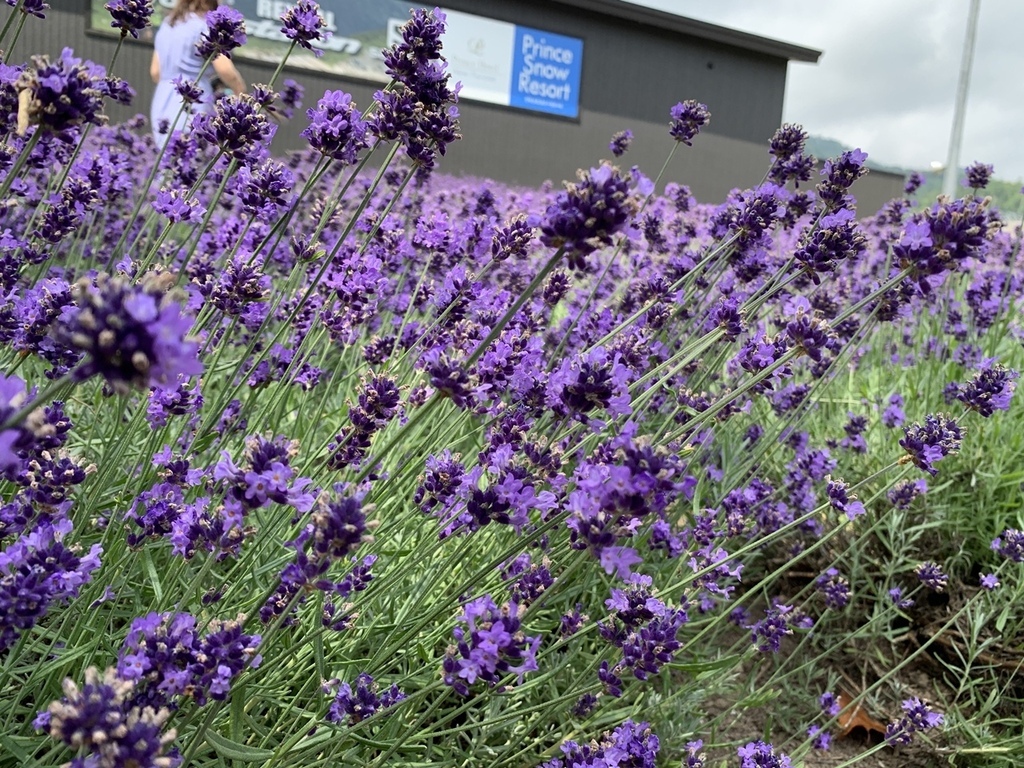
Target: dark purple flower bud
[[834, 588], [291, 97], [929, 442], [837, 239], [570, 623], [238, 125], [787, 141], [840, 173], [303, 23], [130, 16], [353, 706], [588, 213], [914, 182], [688, 117], [189, 90], [930, 575], [225, 31], [1010, 545], [620, 142], [35, 8], [978, 176], [557, 286], [904, 492], [512, 240]]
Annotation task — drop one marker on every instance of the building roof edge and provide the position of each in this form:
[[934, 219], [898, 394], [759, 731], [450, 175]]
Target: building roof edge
[[669, 21]]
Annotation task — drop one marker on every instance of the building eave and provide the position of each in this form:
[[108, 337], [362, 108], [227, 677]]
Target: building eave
[[651, 17]]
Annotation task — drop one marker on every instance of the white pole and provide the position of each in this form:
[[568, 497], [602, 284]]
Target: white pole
[[949, 179]]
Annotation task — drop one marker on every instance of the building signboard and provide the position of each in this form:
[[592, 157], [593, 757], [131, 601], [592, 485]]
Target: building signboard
[[496, 62]]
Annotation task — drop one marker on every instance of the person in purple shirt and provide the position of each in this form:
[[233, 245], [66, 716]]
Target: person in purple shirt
[[174, 55]]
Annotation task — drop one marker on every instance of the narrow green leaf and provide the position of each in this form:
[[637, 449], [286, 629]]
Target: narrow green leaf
[[232, 750]]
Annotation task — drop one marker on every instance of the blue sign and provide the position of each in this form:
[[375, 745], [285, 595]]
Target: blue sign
[[546, 72]]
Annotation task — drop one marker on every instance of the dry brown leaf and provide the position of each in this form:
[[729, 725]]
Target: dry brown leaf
[[852, 717]]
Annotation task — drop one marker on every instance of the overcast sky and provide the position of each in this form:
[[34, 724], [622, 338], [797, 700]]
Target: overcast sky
[[886, 80]]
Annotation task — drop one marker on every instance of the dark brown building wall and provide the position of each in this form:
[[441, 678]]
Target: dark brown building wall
[[632, 74]]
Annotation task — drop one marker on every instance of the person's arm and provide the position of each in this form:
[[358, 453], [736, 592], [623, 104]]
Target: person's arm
[[226, 71], [154, 68]]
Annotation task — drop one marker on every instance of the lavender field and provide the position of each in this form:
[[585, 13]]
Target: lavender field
[[333, 459]]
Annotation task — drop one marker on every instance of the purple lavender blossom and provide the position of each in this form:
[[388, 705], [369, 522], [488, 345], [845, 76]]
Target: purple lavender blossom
[[631, 744], [897, 598], [904, 492], [178, 207], [238, 125], [1010, 544], [302, 23], [978, 175], [225, 31], [620, 142], [353, 706], [165, 656], [129, 16], [512, 240], [893, 416], [291, 97], [927, 443], [63, 93], [38, 572], [990, 390], [695, 758], [835, 589], [588, 213], [134, 336], [931, 576], [840, 498], [336, 128], [917, 717], [989, 581], [914, 182], [840, 174], [837, 238], [99, 719], [758, 754], [489, 644], [688, 117], [14, 438], [790, 164], [779, 622]]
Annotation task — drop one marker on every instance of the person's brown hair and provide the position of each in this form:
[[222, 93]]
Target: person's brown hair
[[185, 8]]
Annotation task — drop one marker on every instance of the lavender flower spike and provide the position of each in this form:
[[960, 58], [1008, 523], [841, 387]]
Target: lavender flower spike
[[225, 31], [303, 23], [688, 117]]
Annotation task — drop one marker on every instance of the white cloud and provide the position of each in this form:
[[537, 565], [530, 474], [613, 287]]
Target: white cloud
[[887, 78]]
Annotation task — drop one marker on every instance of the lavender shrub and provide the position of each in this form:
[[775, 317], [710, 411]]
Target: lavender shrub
[[328, 466]]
